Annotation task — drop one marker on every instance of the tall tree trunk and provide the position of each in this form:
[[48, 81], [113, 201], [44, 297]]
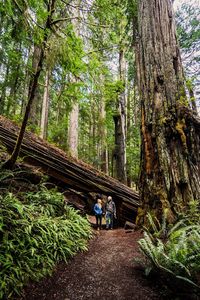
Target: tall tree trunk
[[12, 105], [74, 114], [26, 80], [45, 107], [128, 128], [59, 106], [103, 134], [32, 88], [3, 90], [59, 100], [170, 172], [33, 118], [120, 126], [73, 130], [103, 146], [94, 134], [193, 100], [16, 84]]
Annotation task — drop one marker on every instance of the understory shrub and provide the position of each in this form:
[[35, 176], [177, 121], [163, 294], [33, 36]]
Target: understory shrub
[[174, 250], [36, 232]]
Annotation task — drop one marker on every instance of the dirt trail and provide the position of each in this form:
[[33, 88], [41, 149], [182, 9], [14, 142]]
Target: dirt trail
[[105, 272]]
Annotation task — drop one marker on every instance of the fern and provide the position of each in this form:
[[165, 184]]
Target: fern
[[179, 254], [34, 237]]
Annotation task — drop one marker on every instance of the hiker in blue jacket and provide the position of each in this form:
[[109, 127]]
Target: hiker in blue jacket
[[110, 213], [98, 213]]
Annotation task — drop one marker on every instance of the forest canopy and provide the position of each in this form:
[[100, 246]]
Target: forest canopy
[[69, 73]]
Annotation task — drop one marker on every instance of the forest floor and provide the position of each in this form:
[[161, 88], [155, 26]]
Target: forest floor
[[107, 271]]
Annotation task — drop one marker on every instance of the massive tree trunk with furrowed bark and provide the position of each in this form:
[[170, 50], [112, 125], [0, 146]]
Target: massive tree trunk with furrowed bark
[[170, 167]]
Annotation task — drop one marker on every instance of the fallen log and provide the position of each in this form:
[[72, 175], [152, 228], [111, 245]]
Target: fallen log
[[66, 170]]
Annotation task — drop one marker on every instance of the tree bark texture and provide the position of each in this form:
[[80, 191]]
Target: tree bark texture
[[33, 118], [74, 114], [103, 144], [170, 171], [103, 134], [120, 127], [45, 107], [128, 128], [73, 130]]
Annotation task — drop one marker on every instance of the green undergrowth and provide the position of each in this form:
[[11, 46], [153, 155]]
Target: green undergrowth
[[36, 232], [173, 250]]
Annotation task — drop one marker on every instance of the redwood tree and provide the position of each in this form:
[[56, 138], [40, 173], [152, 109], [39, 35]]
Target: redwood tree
[[170, 169], [120, 125], [73, 129]]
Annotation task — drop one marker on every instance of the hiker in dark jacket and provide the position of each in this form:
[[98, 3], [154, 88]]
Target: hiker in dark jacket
[[110, 213]]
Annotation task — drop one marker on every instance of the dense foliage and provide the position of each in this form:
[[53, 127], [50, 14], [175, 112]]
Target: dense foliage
[[81, 64], [188, 30], [36, 232], [173, 250]]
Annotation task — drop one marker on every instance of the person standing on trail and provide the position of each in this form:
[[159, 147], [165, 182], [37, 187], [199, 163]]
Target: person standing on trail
[[98, 213], [110, 213]]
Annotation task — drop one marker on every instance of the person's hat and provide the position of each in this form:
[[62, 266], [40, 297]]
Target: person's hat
[[109, 198]]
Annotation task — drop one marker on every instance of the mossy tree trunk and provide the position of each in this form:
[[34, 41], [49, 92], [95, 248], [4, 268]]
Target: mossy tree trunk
[[170, 171]]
